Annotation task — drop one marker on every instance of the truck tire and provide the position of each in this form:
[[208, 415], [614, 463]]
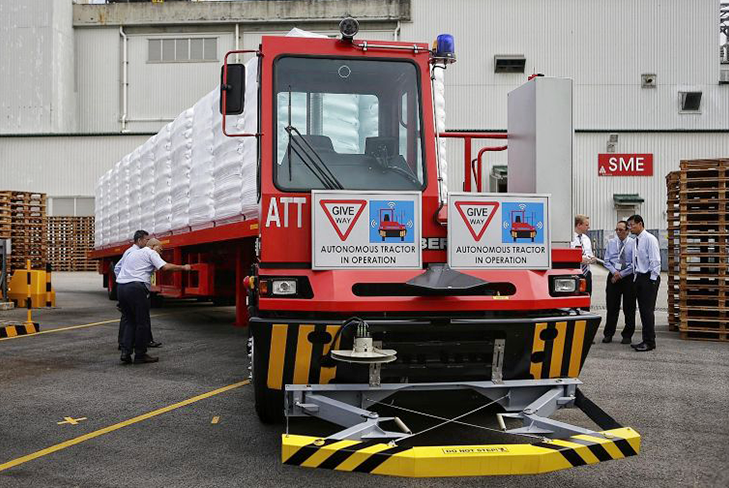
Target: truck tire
[[269, 402]]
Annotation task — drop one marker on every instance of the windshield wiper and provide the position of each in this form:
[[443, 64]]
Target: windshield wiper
[[315, 164], [317, 168]]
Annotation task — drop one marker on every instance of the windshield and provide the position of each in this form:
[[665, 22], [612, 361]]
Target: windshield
[[347, 123]]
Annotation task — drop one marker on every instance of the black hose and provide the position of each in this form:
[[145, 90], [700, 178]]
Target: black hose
[[327, 361]]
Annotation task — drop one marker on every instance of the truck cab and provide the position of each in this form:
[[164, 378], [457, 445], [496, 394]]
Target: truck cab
[[352, 118]]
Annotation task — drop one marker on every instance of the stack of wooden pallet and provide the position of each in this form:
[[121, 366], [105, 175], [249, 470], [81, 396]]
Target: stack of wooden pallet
[[698, 213], [28, 229], [70, 239], [673, 215], [5, 214]]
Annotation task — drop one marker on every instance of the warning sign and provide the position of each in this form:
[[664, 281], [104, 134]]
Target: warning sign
[[343, 214], [498, 231], [366, 230], [477, 216]]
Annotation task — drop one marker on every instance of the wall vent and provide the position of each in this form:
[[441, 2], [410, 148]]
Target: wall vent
[[648, 80]]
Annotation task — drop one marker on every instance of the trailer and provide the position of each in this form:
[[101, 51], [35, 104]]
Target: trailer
[[344, 319]]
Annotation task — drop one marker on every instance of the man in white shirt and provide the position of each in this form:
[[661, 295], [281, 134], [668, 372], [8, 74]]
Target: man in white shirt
[[140, 240], [133, 284], [620, 285], [582, 240], [647, 275]]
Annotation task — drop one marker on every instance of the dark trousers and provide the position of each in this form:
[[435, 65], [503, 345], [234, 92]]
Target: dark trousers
[[122, 326], [134, 302], [646, 290], [625, 289]]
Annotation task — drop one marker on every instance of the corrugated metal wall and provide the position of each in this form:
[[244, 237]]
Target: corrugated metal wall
[[60, 165], [98, 78], [36, 49], [593, 194], [164, 90], [604, 46]]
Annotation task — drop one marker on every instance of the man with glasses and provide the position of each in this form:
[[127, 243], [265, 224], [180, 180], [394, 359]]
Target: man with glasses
[[619, 262], [647, 277]]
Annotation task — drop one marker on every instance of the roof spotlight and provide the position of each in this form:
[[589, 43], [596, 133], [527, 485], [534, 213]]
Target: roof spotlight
[[348, 27]]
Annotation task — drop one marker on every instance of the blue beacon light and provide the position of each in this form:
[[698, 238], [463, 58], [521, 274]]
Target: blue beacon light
[[445, 48]]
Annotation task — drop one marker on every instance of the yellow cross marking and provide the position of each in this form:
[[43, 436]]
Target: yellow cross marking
[[215, 420], [71, 420]]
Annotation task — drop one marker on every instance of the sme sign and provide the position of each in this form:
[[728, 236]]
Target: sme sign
[[625, 165]]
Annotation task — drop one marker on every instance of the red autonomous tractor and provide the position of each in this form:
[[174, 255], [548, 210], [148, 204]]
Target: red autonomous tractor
[[333, 343]]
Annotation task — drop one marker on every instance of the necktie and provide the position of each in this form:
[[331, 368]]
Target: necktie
[[635, 257], [622, 255]]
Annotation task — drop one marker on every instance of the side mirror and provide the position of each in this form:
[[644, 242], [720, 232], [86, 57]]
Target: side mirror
[[234, 88]]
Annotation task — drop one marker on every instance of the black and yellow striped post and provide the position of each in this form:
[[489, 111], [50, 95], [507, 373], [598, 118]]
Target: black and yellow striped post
[[30, 326], [49, 288], [29, 281]]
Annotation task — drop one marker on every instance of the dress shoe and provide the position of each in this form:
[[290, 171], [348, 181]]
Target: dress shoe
[[625, 341], [126, 358], [637, 345], [644, 347], [145, 358], [607, 339], [153, 344]]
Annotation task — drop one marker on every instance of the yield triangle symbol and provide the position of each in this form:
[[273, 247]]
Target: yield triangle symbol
[[343, 214], [477, 216]]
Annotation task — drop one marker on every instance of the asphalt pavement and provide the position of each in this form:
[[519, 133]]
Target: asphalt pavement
[[140, 431]]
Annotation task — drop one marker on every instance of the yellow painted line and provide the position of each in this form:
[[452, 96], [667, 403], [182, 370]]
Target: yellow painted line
[[112, 428], [71, 420], [215, 420], [555, 367], [578, 340], [73, 327]]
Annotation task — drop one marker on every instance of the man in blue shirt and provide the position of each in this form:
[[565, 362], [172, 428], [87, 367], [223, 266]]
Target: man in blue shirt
[[647, 273], [619, 262]]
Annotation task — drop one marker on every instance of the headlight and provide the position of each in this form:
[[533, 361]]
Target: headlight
[[283, 287], [564, 285]]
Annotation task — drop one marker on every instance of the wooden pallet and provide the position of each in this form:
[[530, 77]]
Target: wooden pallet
[[697, 212], [698, 334], [71, 239]]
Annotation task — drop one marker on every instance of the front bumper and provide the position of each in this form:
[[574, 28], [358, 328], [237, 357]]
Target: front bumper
[[291, 351], [377, 457]]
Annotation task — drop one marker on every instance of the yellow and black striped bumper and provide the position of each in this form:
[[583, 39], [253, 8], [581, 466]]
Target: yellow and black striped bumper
[[16, 330], [381, 458], [291, 351]]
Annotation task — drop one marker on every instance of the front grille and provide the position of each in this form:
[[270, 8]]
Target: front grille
[[403, 289], [436, 353]]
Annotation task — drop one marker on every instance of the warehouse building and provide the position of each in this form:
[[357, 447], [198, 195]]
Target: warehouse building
[[651, 82]]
